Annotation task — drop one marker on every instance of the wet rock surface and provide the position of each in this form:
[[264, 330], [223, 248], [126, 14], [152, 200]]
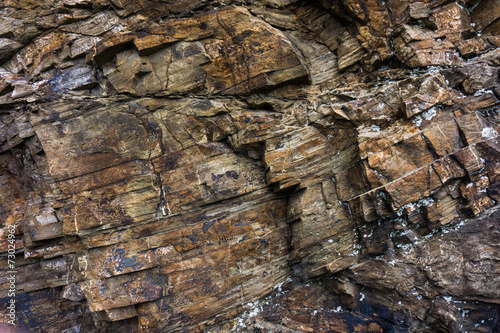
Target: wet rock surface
[[250, 166]]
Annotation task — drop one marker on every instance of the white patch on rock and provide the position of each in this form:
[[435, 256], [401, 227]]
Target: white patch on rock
[[417, 121], [412, 205], [429, 114], [489, 133]]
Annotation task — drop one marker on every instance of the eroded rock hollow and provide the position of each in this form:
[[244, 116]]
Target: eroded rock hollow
[[250, 166]]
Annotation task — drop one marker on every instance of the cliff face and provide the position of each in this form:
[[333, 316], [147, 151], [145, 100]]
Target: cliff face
[[266, 165]]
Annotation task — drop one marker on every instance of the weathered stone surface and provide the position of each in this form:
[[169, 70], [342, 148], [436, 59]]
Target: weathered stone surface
[[327, 29], [84, 135], [231, 67], [485, 14], [423, 93], [75, 78], [118, 292], [83, 45], [418, 10], [237, 166], [451, 19], [8, 48], [349, 52], [95, 26], [282, 156], [323, 64], [472, 47], [419, 47]]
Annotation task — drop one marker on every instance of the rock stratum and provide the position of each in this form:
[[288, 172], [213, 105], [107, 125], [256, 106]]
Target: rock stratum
[[251, 166]]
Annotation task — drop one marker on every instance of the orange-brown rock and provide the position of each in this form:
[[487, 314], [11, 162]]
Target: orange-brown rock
[[485, 17], [249, 166], [230, 60]]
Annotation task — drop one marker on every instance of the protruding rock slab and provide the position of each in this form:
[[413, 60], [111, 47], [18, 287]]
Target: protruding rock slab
[[92, 142], [237, 55], [168, 169], [123, 290]]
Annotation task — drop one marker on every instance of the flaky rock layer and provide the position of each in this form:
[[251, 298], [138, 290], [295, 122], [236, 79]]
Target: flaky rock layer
[[250, 166]]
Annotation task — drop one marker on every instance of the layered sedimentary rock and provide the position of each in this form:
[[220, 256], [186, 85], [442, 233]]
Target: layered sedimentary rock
[[282, 166]]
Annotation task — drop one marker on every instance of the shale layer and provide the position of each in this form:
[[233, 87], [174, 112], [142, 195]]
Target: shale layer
[[250, 166]]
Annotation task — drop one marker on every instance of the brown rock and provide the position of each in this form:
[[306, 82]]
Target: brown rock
[[444, 211], [108, 150], [445, 139], [469, 159], [323, 63], [419, 47], [215, 180], [414, 186], [232, 166], [485, 14], [8, 48], [377, 107], [426, 92], [323, 24], [418, 10], [255, 128], [488, 151], [373, 139], [472, 47], [225, 72], [399, 160], [290, 162], [308, 208], [476, 81], [95, 26], [123, 290], [39, 55], [451, 18], [349, 52], [474, 128], [83, 45], [447, 168]]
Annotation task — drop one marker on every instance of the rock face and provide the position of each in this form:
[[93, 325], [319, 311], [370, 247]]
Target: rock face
[[250, 166]]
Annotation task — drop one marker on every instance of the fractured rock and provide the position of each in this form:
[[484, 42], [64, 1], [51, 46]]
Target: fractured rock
[[234, 166]]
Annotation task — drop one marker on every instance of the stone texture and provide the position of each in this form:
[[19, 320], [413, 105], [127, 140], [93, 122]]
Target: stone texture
[[250, 166], [424, 93], [8, 48], [419, 47], [234, 51], [485, 15]]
